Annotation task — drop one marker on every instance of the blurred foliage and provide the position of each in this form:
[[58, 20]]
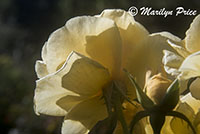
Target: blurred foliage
[[24, 27]]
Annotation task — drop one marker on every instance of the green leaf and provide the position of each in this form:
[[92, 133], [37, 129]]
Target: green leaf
[[181, 116], [137, 118], [171, 97], [144, 100]]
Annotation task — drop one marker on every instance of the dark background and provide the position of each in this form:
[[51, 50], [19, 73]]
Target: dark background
[[24, 27]]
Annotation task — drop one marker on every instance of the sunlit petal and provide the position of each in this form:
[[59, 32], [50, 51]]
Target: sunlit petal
[[192, 102], [73, 36], [190, 66], [40, 69], [171, 62], [73, 127], [192, 39]]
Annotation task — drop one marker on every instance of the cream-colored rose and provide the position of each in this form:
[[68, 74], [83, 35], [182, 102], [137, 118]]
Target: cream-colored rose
[[186, 61], [80, 59]]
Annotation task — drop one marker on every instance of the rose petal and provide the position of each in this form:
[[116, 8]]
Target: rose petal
[[166, 129], [48, 91], [172, 71], [40, 69], [73, 127], [88, 112], [84, 76], [194, 103], [121, 17], [195, 88], [171, 62], [154, 47], [179, 126], [190, 66], [106, 49], [179, 49], [79, 75], [171, 59], [72, 37], [69, 101], [197, 122], [192, 36]]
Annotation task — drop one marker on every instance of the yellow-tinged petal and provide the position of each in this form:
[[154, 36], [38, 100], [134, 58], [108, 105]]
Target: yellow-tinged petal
[[84, 76], [166, 129], [171, 71], [156, 43], [190, 66], [73, 127], [48, 91], [69, 101], [121, 17], [179, 49], [40, 69], [132, 33], [194, 103], [179, 126], [88, 112], [72, 37], [129, 112], [156, 87], [150, 56], [133, 36], [171, 59], [44, 52], [78, 76], [171, 62], [106, 49], [192, 39], [197, 122]]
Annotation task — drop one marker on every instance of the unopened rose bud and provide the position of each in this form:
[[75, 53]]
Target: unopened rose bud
[[156, 87]]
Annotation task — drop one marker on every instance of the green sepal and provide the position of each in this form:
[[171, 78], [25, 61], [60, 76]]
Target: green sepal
[[181, 116], [123, 94], [171, 97], [157, 120], [144, 100], [137, 118]]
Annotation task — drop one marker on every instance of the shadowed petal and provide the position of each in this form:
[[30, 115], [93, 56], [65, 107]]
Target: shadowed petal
[[88, 112], [179, 126], [84, 76]]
